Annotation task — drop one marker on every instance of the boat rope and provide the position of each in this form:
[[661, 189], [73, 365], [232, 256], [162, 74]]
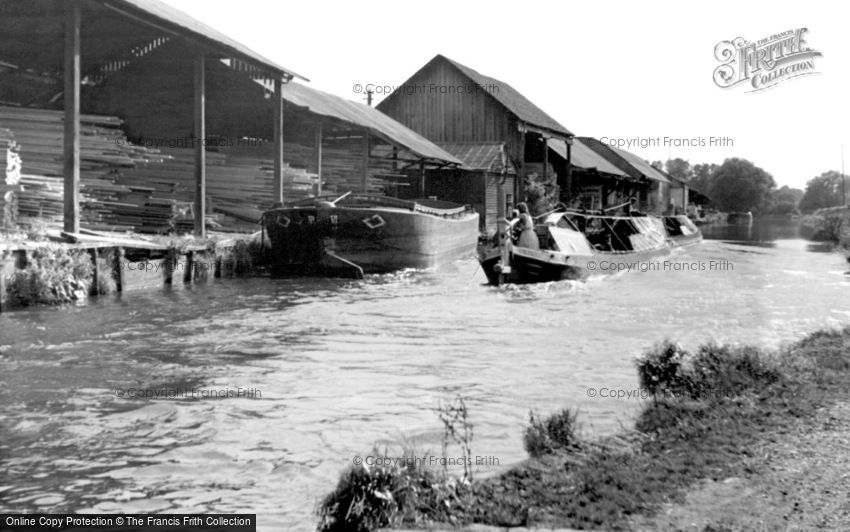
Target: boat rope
[[611, 228]]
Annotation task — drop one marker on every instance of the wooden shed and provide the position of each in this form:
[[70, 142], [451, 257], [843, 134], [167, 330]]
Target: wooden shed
[[51, 49], [654, 192], [184, 127], [452, 105]]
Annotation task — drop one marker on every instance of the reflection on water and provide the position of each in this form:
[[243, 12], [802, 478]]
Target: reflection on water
[[341, 365]]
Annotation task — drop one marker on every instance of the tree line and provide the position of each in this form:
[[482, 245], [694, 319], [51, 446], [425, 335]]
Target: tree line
[[738, 185]]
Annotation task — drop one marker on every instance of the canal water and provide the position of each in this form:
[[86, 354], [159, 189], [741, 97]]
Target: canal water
[[268, 389]]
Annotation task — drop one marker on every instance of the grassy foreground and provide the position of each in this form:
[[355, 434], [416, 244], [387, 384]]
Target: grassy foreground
[[709, 410]]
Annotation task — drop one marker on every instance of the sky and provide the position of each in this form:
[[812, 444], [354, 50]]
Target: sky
[[617, 71]]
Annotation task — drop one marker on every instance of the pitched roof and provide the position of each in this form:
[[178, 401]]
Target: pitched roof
[[486, 156], [647, 169], [170, 15], [583, 157], [624, 160], [325, 104], [511, 98], [32, 33]]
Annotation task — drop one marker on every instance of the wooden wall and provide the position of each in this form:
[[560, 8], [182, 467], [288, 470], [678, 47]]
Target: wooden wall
[[453, 117]]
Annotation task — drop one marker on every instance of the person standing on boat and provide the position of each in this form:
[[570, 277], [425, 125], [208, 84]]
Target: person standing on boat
[[524, 226]]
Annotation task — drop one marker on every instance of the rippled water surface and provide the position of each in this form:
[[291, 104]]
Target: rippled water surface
[[327, 368]]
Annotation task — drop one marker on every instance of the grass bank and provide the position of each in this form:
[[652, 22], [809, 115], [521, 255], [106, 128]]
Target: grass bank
[[709, 410]]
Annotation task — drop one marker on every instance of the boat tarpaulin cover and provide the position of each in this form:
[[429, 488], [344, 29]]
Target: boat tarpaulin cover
[[651, 235], [570, 242]]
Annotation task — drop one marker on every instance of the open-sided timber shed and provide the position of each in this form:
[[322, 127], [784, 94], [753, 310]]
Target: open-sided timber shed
[[81, 41]]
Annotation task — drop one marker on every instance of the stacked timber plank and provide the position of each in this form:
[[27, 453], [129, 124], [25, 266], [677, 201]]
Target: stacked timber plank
[[104, 151], [239, 184], [127, 187], [342, 165]]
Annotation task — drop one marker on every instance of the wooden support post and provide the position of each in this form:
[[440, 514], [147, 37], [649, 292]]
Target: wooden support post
[[277, 193], [421, 180], [545, 159], [119, 265], [567, 194], [71, 139], [395, 170], [200, 151], [95, 282], [318, 154], [366, 148]]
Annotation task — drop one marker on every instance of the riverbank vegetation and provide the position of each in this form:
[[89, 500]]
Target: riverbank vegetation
[[42, 267], [53, 275], [707, 411], [830, 225], [738, 185]]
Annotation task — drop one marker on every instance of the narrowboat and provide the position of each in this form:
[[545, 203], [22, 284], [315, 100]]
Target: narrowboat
[[573, 245], [357, 234], [681, 231], [740, 218]]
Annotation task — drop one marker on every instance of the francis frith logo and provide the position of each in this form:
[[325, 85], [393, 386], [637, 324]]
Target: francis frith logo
[[765, 63]]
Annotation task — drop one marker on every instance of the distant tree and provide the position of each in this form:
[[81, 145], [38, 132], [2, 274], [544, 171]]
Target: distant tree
[[680, 169], [824, 191], [785, 200], [658, 165], [702, 177], [740, 185]]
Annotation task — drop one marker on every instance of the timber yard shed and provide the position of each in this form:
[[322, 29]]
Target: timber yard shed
[[184, 129], [53, 50], [654, 194]]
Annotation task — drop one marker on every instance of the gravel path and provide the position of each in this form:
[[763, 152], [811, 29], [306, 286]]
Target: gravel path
[[802, 483]]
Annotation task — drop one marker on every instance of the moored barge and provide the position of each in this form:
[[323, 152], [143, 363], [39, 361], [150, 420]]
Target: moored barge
[[357, 234]]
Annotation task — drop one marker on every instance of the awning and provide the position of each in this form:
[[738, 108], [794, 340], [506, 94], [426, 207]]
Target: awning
[[646, 169], [583, 157], [483, 156], [324, 104]]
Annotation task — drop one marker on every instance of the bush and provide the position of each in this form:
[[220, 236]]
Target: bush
[[54, 275], [717, 369], [557, 432], [387, 493], [659, 368], [832, 225], [713, 371]]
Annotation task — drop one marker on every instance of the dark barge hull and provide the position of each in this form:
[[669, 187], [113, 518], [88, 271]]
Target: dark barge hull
[[349, 241], [527, 268]]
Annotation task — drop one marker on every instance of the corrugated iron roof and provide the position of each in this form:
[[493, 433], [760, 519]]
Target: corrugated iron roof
[[511, 98], [365, 116], [486, 156], [647, 169], [170, 16], [624, 160], [581, 156]]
